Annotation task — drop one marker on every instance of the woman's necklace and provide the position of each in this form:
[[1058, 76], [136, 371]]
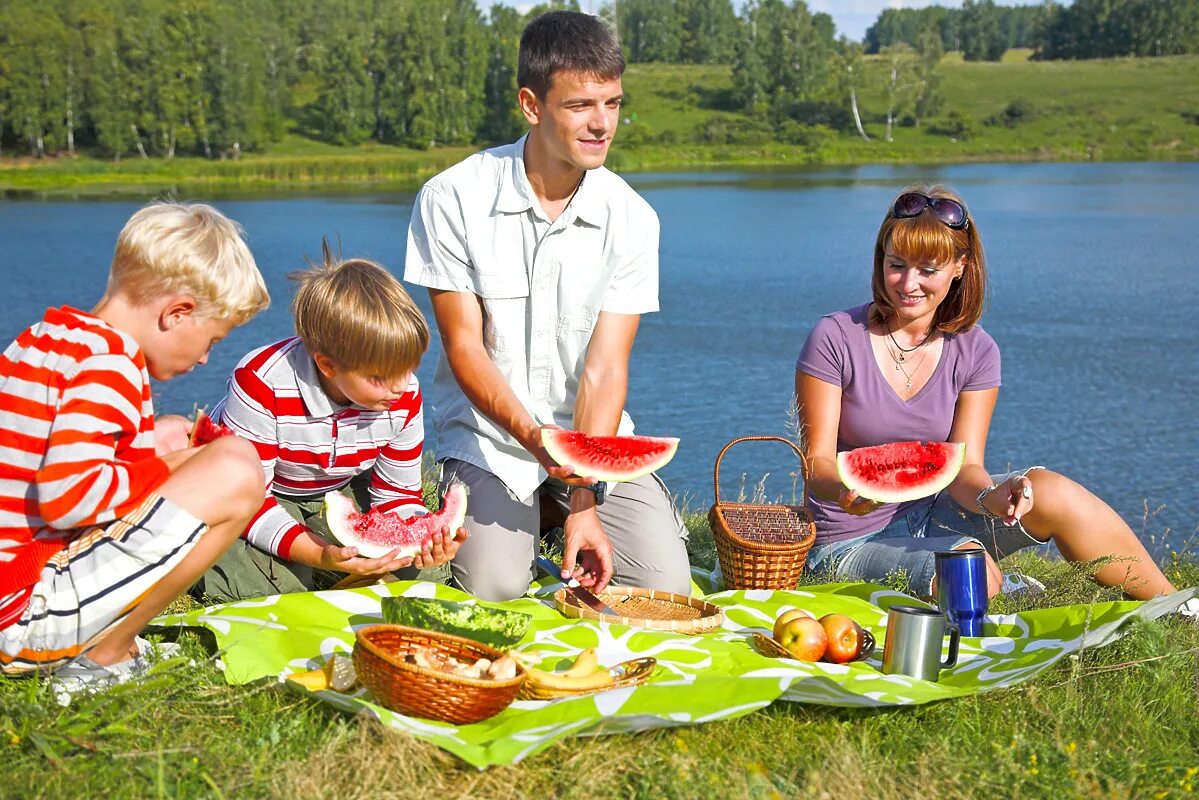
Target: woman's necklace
[[897, 357], [901, 350]]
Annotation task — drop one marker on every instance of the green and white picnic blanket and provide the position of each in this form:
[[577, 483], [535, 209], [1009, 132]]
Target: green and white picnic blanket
[[698, 679]]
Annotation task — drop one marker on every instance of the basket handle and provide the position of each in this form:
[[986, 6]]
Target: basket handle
[[802, 460]]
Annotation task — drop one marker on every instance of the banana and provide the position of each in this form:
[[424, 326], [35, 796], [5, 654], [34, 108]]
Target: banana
[[339, 673], [314, 680], [586, 663], [575, 683]]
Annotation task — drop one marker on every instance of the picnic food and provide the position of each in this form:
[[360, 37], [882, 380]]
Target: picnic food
[[502, 669], [497, 627], [845, 638], [337, 674], [785, 619], [804, 638], [585, 674], [901, 471], [204, 430], [608, 458], [377, 533]]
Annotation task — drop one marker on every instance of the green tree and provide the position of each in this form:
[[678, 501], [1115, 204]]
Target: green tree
[[927, 90], [650, 30], [709, 31], [502, 120], [982, 36]]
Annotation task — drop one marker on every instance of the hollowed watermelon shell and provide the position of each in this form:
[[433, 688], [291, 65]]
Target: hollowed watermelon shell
[[377, 533], [608, 458], [902, 471], [204, 430]]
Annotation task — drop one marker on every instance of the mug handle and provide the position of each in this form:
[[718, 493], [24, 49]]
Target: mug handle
[[955, 636]]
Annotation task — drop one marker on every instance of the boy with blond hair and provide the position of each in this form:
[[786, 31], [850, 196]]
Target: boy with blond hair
[[106, 514], [336, 407]]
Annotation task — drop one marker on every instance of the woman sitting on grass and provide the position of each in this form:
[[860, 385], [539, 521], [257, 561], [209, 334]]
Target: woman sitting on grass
[[914, 365]]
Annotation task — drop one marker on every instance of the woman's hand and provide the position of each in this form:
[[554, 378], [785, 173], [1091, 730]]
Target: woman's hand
[[346, 559], [440, 549], [171, 433], [1011, 499], [852, 503]]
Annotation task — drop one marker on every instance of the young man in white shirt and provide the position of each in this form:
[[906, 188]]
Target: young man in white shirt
[[539, 263]]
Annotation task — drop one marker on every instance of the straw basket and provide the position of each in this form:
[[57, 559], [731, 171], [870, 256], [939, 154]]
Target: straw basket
[[630, 673], [646, 608], [418, 692], [761, 546]]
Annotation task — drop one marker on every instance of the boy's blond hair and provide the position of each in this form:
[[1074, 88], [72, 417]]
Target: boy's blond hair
[[355, 312], [189, 249]]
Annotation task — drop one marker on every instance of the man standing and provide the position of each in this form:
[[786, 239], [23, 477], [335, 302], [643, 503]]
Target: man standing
[[539, 263]]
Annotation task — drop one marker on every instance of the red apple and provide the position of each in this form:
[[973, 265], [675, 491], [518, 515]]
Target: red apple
[[804, 638], [845, 638], [785, 618]]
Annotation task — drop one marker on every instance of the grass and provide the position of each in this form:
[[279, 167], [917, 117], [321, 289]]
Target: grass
[[1106, 110], [1115, 722]]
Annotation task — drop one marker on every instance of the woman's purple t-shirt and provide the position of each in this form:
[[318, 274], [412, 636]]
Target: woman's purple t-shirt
[[838, 351]]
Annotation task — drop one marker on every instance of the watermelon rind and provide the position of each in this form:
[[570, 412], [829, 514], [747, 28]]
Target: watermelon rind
[[339, 508], [906, 456], [580, 451], [497, 627]]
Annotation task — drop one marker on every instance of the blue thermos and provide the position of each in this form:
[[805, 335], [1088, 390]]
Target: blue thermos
[[962, 588]]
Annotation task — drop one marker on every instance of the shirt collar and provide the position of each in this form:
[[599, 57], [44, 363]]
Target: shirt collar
[[308, 382], [516, 194]]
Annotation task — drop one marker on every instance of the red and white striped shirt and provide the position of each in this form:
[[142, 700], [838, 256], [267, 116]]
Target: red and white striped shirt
[[309, 445], [76, 441]]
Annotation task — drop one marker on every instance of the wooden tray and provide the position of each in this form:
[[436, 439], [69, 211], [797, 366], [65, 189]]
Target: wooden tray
[[628, 673], [647, 608]]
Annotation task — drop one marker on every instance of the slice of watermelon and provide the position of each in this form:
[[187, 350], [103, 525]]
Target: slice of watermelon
[[902, 471], [608, 458], [377, 533], [204, 430]]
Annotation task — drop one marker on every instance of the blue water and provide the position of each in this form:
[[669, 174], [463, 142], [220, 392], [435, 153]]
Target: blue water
[[1093, 304]]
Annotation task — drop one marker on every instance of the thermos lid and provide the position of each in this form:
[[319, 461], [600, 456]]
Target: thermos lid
[[977, 552]]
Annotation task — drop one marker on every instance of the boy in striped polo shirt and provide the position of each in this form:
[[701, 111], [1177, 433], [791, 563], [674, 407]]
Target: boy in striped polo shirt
[[335, 408], [106, 514]]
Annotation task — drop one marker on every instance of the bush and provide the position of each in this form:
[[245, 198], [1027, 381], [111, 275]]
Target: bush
[[735, 131], [956, 125], [636, 135], [809, 137], [1013, 114]]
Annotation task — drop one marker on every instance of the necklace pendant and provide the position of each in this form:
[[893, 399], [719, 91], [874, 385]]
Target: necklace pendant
[[897, 367], [908, 384], [901, 358]]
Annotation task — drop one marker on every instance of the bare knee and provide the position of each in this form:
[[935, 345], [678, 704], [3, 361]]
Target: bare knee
[[236, 473], [994, 573]]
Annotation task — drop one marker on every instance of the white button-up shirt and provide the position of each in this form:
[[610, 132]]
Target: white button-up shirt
[[478, 227]]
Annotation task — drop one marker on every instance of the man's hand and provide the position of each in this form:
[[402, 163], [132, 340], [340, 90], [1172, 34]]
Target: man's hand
[[588, 552], [346, 559], [442, 548], [563, 472], [171, 433]]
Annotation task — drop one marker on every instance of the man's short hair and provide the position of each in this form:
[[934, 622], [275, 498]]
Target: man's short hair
[[355, 312], [188, 249], [566, 41]]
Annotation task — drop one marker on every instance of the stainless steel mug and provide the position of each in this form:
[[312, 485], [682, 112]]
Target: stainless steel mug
[[914, 638]]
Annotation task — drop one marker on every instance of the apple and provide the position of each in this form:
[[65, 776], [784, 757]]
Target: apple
[[785, 618], [845, 638], [804, 638]]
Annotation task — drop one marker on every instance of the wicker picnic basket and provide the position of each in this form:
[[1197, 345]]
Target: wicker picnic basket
[[630, 673], [418, 692], [647, 608], [761, 546]]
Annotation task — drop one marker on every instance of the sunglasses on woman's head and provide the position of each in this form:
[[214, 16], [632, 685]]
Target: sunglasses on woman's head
[[950, 212]]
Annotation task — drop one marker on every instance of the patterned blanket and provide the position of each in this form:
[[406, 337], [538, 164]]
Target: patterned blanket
[[698, 679]]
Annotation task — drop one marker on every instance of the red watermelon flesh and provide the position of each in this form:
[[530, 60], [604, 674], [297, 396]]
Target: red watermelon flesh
[[204, 430], [608, 458], [377, 533], [902, 471]]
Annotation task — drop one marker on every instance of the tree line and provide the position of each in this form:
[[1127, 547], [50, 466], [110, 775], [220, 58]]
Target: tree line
[[984, 31], [217, 78]]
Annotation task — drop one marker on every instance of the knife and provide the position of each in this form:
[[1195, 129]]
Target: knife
[[572, 587]]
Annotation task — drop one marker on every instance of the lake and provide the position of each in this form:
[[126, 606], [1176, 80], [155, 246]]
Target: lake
[[1094, 293]]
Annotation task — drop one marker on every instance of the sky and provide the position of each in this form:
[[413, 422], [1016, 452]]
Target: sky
[[852, 17]]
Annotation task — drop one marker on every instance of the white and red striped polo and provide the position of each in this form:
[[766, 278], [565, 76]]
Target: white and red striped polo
[[309, 445]]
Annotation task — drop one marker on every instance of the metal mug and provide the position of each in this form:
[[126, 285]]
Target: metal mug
[[913, 646], [962, 588]]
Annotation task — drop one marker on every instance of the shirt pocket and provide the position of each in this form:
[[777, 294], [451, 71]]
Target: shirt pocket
[[574, 336], [501, 286]]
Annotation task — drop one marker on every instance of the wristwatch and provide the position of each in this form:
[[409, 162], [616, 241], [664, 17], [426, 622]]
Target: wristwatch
[[599, 489]]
